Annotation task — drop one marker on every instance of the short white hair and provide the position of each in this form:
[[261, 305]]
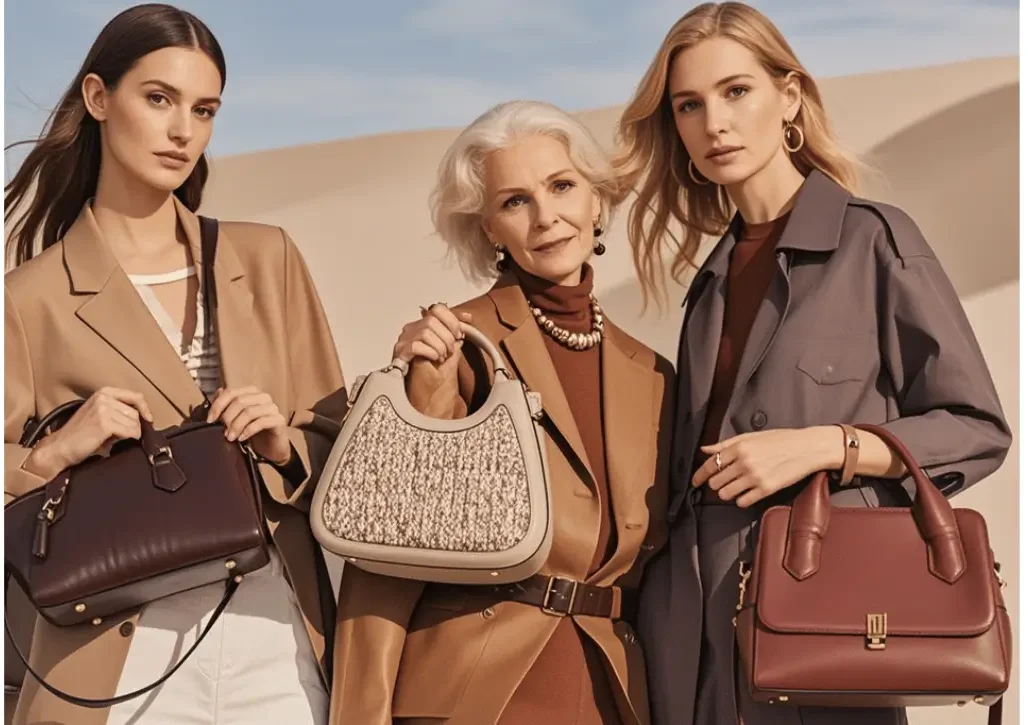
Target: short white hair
[[458, 199]]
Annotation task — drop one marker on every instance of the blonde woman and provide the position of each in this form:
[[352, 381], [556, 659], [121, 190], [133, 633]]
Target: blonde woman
[[816, 308], [523, 197]]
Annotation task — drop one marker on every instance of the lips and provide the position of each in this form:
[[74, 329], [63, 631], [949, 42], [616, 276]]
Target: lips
[[547, 246], [174, 155], [722, 150]]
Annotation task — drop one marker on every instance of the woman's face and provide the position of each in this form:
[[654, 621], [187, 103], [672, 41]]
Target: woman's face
[[540, 208], [728, 111], [156, 122]]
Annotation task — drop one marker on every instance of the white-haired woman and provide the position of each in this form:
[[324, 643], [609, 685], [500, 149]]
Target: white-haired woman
[[524, 194]]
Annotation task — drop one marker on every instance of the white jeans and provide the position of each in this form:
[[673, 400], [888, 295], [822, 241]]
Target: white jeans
[[256, 667]]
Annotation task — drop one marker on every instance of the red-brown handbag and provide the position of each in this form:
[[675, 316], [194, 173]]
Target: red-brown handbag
[[873, 607]]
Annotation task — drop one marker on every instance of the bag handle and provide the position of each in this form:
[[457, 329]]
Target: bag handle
[[811, 511], [230, 588], [471, 333]]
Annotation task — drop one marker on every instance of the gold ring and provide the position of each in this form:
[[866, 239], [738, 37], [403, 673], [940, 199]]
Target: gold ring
[[717, 461]]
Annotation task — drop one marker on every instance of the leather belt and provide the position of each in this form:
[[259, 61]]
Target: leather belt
[[560, 597]]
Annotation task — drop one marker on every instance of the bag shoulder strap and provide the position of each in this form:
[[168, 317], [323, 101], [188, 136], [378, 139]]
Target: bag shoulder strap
[[208, 253], [230, 589]]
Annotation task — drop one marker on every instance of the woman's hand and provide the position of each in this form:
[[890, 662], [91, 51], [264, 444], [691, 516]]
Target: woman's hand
[[755, 465], [249, 414], [436, 337], [108, 415]]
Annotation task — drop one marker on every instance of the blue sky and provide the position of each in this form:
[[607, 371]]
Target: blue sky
[[316, 70]]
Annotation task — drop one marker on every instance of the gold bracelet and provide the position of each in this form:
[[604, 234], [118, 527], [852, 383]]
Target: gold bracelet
[[852, 452]]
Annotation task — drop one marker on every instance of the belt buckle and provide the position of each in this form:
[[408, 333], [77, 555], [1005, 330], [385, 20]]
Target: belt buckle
[[549, 592]]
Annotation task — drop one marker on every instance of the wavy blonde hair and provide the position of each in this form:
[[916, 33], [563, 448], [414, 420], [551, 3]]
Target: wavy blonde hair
[[458, 198], [652, 157]]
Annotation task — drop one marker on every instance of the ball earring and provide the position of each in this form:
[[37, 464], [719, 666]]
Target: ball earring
[[502, 264]]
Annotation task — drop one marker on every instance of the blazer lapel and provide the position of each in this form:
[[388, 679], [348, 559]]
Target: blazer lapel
[[528, 354], [630, 417], [115, 312], [698, 348]]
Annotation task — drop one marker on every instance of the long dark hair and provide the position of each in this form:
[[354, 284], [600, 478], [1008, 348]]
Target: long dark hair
[[60, 173]]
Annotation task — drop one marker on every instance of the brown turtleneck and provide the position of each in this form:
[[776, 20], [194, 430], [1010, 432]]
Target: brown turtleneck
[[749, 273], [569, 683]]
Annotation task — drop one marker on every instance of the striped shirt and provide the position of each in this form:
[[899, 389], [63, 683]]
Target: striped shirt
[[198, 354]]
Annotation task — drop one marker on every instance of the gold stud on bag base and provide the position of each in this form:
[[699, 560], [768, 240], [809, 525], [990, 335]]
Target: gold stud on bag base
[[378, 479]]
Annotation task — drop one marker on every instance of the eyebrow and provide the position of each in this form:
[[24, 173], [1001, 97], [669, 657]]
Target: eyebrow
[[214, 100], [555, 174], [721, 83]]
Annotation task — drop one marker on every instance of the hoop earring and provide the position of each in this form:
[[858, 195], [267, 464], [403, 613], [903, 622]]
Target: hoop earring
[[790, 127], [692, 175], [502, 263]]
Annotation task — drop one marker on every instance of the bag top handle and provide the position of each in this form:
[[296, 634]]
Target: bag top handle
[[811, 511], [477, 337]]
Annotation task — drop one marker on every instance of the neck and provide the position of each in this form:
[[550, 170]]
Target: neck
[[769, 193], [135, 219]]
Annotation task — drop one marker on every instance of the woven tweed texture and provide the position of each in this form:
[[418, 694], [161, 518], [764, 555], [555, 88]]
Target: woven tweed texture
[[398, 485]]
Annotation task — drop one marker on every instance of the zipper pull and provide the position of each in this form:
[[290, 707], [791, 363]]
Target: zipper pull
[[42, 538]]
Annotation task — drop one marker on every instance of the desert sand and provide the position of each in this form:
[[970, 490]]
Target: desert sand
[[943, 138]]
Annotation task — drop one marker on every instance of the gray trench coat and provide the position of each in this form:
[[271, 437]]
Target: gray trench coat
[[860, 324]]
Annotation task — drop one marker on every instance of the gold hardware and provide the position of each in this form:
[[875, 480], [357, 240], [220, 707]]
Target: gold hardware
[[494, 573], [238, 578], [783, 698], [979, 699], [80, 608], [877, 626], [961, 703], [230, 564], [549, 591], [744, 578], [97, 621]]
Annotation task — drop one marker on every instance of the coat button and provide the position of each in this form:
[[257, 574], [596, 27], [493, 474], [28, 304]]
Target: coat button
[[488, 613], [759, 419], [126, 629], [629, 635]]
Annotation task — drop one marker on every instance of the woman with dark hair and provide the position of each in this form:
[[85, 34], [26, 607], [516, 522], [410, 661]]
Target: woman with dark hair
[[105, 303]]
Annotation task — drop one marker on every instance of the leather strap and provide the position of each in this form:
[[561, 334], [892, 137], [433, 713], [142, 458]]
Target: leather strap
[[851, 443], [561, 597], [208, 253], [231, 586]]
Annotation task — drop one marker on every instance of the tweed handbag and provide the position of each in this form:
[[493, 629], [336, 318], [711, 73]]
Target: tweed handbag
[[462, 501]]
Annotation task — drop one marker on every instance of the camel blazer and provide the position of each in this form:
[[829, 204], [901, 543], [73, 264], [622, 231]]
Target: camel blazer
[[407, 650], [74, 323]]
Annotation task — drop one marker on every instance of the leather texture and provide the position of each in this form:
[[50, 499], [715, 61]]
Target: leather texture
[[177, 509], [878, 607], [560, 597], [459, 501]]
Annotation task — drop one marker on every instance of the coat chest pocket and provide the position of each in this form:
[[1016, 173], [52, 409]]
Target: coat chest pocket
[[835, 359]]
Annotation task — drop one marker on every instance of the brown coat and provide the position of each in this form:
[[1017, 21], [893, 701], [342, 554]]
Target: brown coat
[[73, 324], [405, 651], [859, 325]]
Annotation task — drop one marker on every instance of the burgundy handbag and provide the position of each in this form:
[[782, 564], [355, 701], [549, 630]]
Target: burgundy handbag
[[178, 509], [873, 607]]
